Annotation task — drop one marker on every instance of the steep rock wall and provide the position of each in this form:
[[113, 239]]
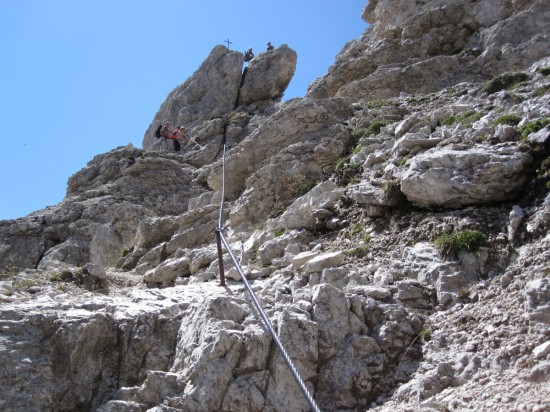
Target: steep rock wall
[[422, 46], [338, 208]]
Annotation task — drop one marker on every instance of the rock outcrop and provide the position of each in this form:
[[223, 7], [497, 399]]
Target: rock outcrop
[[267, 76], [421, 47], [210, 92], [394, 225], [97, 221], [220, 85]]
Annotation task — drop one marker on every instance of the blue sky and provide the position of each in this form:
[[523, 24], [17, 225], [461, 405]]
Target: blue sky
[[81, 77]]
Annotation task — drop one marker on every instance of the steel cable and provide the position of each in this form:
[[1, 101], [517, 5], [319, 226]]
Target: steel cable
[[265, 319]]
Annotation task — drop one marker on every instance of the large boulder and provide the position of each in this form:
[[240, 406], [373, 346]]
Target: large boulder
[[300, 213], [453, 178], [267, 77]]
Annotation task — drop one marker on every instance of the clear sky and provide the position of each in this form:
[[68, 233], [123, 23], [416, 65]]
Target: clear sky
[[81, 77]]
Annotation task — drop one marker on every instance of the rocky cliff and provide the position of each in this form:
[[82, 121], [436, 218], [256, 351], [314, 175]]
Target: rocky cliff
[[393, 224]]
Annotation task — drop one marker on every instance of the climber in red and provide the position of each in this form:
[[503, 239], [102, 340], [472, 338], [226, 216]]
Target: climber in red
[[178, 134]]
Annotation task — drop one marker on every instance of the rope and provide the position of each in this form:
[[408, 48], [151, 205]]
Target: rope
[[265, 319]]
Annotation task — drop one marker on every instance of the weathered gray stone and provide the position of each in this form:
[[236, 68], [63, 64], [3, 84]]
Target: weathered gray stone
[[373, 197], [211, 91], [331, 314], [105, 246], [516, 215], [167, 272], [372, 291], [409, 45], [301, 258], [537, 304], [274, 248], [540, 137], [267, 76], [266, 173], [318, 263], [300, 213], [454, 178], [350, 325], [542, 350]]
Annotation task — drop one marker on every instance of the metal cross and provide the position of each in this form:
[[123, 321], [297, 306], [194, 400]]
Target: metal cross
[[228, 43]]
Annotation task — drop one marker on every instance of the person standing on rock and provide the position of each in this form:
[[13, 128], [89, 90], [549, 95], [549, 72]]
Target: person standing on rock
[[249, 55], [176, 135], [166, 129], [163, 130], [167, 132]]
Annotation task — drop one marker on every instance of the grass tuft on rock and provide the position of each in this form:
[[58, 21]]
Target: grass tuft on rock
[[533, 127], [449, 245], [509, 119], [505, 81]]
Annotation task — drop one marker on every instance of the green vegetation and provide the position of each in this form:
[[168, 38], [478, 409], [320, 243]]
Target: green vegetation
[[21, 284], [373, 128], [341, 169], [279, 231], [356, 134], [358, 252], [344, 171], [301, 186], [376, 104], [467, 240], [55, 277], [466, 118], [452, 90], [470, 118], [509, 119], [425, 334], [355, 230], [229, 118], [505, 82], [356, 150], [449, 121], [218, 115], [402, 160], [541, 91], [358, 230], [463, 292], [533, 127]]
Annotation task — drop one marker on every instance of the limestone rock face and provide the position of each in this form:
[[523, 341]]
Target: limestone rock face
[[173, 346], [101, 213], [283, 157], [267, 76], [211, 91], [398, 246], [215, 90], [425, 46]]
